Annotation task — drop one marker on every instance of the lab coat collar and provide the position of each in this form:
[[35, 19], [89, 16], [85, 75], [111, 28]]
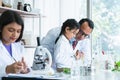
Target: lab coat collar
[[72, 40], [1, 43], [2, 46]]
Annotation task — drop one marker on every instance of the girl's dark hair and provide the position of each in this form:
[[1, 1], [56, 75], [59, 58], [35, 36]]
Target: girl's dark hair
[[71, 23], [8, 17]]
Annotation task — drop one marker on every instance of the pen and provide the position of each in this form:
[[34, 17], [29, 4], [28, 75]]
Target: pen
[[14, 59]]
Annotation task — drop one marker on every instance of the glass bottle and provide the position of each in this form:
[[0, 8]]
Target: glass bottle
[[20, 6], [75, 72]]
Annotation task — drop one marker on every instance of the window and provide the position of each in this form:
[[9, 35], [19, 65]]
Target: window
[[106, 34]]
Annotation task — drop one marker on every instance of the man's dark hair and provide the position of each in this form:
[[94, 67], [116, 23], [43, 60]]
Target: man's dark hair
[[90, 22]]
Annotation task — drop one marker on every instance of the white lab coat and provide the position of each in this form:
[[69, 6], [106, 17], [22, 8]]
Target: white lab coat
[[63, 53], [6, 59], [49, 40], [84, 46]]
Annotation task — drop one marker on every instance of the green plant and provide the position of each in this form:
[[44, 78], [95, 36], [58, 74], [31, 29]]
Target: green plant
[[66, 70], [116, 66]]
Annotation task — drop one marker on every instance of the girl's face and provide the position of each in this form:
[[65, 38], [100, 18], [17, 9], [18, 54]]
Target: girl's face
[[11, 33], [70, 33]]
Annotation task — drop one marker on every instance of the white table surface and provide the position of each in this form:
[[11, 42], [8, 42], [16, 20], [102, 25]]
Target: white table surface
[[99, 75]]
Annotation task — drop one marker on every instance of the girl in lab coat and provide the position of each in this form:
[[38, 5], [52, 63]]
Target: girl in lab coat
[[11, 50], [63, 51]]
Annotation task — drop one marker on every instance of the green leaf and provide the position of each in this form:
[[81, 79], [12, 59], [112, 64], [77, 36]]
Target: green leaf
[[118, 63], [117, 66], [66, 70]]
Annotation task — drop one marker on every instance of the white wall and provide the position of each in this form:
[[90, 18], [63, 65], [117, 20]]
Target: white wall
[[72, 9], [49, 14], [55, 12]]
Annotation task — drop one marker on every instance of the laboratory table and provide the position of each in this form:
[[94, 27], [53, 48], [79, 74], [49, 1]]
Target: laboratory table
[[24, 78], [99, 75]]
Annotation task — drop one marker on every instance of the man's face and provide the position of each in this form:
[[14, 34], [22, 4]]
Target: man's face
[[84, 31]]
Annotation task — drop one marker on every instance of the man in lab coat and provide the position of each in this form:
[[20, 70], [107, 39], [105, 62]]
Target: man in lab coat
[[82, 38]]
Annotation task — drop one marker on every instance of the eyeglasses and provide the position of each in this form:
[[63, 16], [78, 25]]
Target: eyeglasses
[[73, 32], [83, 33]]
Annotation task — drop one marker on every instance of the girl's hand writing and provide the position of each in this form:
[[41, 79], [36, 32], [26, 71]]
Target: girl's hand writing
[[18, 67], [14, 68]]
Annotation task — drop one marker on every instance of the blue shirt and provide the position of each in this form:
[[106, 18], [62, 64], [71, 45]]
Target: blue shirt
[[9, 49]]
